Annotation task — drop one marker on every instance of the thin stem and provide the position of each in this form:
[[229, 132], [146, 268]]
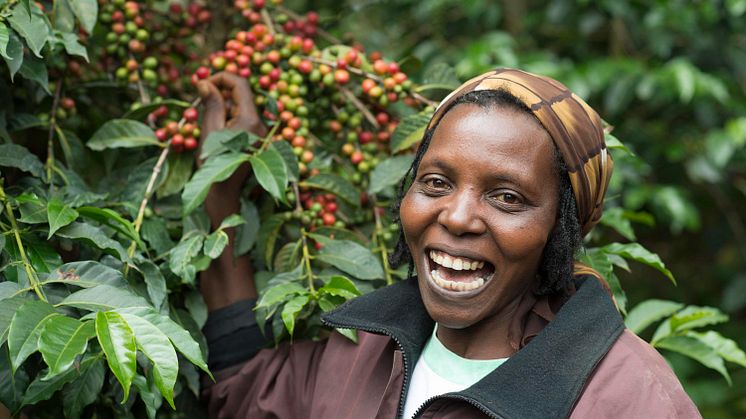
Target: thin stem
[[52, 129], [33, 280], [307, 261], [268, 21], [381, 245]]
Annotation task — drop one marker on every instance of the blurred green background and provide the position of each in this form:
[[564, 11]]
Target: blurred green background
[[669, 75]]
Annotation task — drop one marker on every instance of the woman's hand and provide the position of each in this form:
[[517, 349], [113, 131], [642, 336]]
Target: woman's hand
[[228, 279]]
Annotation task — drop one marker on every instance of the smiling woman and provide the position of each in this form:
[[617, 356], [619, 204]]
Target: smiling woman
[[499, 321]]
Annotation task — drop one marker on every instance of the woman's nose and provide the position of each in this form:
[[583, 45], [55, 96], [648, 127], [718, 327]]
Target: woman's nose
[[460, 215]]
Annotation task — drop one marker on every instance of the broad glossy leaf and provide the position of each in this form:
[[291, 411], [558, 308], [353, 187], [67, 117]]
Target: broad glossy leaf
[[442, 75], [25, 328], [12, 386], [615, 219], [86, 11], [409, 131], [649, 312], [154, 281], [695, 316], [59, 215], [33, 27], [14, 155], [94, 236], [157, 347], [62, 339], [33, 209], [64, 19], [697, 350], [149, 394], [7, 290], [291, 161], [216, 169], [40, 389], [246, 233], [231, 221], [218, 142], [726, 348], [35, 69], [86, 274], [278, 293], [111, 219], [4, 39], [389, 173], [196, 306], [118, 343], [271, 173], [73, 46], [288, 256], [215, 244], [181, 257], [122, 133], [84, 390], [351, 258], [154, 232], [15, 51], [8, 308], [267, 237], [179, 172], [102, 298], [335, 184], [636, 252], [291, 309], [340, 286], [180, 338]]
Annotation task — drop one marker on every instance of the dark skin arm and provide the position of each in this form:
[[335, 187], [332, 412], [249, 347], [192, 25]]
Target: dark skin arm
[[228, 279]]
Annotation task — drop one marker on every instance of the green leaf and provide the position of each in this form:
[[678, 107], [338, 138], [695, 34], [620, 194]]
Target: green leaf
[[291, 162], [33, 210], [4, 39], [218, 142], [86, 274], [351, 258], [635, 251], [14, 155], [335, 184], [232, 220], [111, 219], [15, 52], [59, 215], [695, 316], [155, 232], [62, 339], [157, 347], [8, 309], [103, 298], [25, 328], [180, 338], [84, 390], [122, 133], [615, 219], [278, 293], [267, 237], [649, 312], [726, 348], [179, 172], [86, 11], [12, 386], [410, 131], [697, 350], [8, 289], [196, 307], [149, 394], [142, 111], [154, 281], [288, 256], [389, 173], [41, 389], [271, 173], [95, 237], [215, 244], [216, 169], [340, 286], [73, 46], [33, 27], [181, 257], [441, 75], [64, 20], [118, 343], [291, 309], [246, 234]]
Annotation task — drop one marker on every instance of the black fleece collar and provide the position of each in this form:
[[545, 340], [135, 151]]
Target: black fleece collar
[[542, 380]]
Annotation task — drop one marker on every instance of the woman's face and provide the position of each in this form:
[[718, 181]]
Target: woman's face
[[479, 212]]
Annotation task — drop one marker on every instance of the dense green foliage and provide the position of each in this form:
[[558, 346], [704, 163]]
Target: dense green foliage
[[103, 233]]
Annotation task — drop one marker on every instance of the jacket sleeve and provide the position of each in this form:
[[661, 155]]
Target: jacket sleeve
[[254, 382]]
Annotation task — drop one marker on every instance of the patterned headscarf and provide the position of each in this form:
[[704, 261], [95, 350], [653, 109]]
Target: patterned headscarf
[[575, 128]]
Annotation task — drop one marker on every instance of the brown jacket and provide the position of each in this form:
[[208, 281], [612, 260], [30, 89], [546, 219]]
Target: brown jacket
[[581, 364]]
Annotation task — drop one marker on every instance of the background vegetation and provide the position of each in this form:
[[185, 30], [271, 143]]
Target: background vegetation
[[670, 76]]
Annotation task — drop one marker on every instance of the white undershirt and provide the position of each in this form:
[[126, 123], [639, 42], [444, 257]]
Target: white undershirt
[[440, 371]]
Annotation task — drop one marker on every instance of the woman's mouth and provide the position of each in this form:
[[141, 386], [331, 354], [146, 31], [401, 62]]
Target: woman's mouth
[[457, 273]]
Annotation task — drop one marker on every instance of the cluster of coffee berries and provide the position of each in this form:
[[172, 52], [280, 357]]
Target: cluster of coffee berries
[[181, 136], [320, 210]]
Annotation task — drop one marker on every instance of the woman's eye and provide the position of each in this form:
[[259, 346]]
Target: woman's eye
[[435, 184], [508, 198]]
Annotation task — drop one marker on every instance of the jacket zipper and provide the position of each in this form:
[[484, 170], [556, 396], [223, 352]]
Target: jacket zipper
[[376, 330], [472, 402]]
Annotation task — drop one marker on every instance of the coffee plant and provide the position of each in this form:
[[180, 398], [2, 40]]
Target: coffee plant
[[102, 228]]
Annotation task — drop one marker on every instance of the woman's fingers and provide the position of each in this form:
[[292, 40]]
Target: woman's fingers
[[244, 114], [214, 106]]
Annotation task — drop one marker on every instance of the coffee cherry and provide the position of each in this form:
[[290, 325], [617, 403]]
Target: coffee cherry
[[191, 114]]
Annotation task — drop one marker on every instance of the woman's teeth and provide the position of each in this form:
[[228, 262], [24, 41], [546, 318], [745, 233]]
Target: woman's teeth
[[463, 282]]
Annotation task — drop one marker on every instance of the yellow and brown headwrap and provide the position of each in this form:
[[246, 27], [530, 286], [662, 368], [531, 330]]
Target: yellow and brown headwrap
[[575, 128]]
